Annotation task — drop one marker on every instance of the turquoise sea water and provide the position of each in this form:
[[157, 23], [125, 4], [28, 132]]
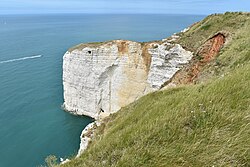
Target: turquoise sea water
[[32, 124]]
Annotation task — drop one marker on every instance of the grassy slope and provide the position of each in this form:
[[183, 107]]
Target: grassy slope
[[201, 125]]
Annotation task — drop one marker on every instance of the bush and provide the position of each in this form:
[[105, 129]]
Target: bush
[[51, 161]]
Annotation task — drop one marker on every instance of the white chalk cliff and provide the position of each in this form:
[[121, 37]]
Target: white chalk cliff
[[100, 78]]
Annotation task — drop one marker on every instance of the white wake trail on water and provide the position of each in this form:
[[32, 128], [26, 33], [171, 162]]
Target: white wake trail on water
[[21, 59]]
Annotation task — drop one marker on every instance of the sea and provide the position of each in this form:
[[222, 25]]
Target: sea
[[33, 124]]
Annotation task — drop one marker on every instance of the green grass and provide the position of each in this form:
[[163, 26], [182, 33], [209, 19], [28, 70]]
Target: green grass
[[199, 125], [84, 45], [200, 32]]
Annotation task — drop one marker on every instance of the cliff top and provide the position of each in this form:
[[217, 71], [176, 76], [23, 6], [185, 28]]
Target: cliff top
[[84, 45], [96, 44]]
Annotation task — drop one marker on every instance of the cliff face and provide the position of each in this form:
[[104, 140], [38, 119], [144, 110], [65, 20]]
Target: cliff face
[[101, 78]]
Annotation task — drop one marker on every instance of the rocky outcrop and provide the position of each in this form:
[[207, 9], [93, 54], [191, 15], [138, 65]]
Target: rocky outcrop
[[101, 78]]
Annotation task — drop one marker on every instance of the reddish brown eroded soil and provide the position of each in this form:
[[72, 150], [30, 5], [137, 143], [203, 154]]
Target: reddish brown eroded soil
[[206, 54], [212, 47]]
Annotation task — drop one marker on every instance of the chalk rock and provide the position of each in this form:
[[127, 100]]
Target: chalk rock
[[165, 63], [64, 161], [99, 79], [86, 137], [185, 29]]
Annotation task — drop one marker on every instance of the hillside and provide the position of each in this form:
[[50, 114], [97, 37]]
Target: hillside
[[201, 124]]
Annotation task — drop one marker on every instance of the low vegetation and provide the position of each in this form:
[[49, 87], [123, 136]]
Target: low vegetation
[[207, 124], [84, 45]]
